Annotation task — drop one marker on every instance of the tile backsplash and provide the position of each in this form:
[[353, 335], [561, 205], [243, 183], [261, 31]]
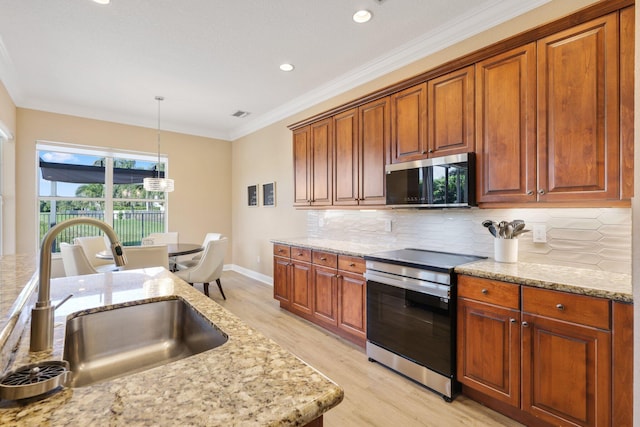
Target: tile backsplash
[[595, 238]]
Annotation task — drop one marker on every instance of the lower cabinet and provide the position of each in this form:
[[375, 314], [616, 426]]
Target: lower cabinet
[[323, 287], [540, 356]]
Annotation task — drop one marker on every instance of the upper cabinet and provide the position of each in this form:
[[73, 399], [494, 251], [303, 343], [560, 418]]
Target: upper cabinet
[[549, 114], [312, 164], [435, 118], [361, 137], [451, 113], [578, 122], [506, 119]]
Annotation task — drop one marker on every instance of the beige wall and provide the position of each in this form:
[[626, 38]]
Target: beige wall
[[201, 168], [266, 155], [8, 178]]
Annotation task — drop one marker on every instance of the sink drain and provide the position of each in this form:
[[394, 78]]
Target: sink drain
[[34, 380]]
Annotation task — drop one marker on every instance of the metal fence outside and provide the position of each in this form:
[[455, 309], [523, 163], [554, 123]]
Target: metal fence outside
[[130, 226]]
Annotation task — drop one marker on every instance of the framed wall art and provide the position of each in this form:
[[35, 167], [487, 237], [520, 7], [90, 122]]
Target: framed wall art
[[269, 194], [252, 195]]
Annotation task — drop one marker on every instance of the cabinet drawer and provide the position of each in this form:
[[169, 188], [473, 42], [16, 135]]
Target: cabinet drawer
[[327, 259], [351, 263], [282, 250], [489, 291], [301, 254], [581, 309]]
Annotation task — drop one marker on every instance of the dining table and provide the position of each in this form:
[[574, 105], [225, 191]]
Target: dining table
[[173, 249]]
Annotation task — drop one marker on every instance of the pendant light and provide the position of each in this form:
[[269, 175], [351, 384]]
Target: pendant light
[[156, 183]]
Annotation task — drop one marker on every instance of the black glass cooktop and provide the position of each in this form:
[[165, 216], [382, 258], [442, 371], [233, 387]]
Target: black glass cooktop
[[422, 258]]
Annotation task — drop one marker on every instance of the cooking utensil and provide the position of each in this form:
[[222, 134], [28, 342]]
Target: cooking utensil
[[490, 225]]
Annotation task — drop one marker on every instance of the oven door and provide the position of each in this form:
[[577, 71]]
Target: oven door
[[411, 323]]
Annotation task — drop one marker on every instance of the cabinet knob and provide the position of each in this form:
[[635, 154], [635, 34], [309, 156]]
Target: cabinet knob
[[530, 193], [424, 152], [525, 324], [512, 320], [338, 276], [541, 191], [431, 150], [560, 307], [484, 291]]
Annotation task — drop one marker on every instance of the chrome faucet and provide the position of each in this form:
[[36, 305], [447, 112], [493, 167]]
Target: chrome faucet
[[42, 313]]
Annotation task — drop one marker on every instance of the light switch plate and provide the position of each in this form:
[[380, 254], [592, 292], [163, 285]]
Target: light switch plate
[[539, 233]]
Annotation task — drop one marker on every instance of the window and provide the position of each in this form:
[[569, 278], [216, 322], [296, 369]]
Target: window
[[78, 181]]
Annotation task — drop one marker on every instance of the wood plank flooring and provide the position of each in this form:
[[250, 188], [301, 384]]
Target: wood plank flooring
[[374, 395]]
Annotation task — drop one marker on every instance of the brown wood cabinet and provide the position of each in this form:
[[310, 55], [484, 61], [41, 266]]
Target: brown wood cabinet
[[322, 287], [451, 109], [506, 118], [578, 104], [540, 356], [313, 164], [409, 124], [361, 138]]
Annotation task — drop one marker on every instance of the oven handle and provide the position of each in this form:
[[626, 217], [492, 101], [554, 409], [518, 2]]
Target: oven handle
[[420, 286]]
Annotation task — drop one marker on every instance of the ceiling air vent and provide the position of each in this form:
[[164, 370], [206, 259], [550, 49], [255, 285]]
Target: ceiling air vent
[[240, 114]]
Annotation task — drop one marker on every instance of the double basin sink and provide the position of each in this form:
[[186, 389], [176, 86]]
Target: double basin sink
[[124, 340]]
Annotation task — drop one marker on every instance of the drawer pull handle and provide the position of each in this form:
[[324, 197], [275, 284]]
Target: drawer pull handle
[[299, 254], [525, 324], [352, 265], [322, 258], [560, 307], [484, 291]]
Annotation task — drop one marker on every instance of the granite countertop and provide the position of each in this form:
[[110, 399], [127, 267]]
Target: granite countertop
[[249, 380], [598, 283]]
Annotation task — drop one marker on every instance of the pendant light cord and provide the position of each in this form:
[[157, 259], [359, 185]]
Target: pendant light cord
[[159, 99]]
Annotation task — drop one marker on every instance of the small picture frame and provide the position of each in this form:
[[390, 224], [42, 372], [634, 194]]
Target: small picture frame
[[269, 194], [252, 195]]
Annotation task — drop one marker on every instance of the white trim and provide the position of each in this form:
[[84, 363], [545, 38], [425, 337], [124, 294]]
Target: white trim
[[249, 273], [5, 133]]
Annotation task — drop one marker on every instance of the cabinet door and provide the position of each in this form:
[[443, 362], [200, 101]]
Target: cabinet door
[[352, 303], [301, 283], [451, 103], [566, 372], [374, 136], [506, 117], [506, 108], [409, 124], [489, 350], [346, 153], [301, 167], [281, 280], [321, 163], [578, 127], [325, 304]]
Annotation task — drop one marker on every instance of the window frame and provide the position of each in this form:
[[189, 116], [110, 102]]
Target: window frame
[[109, 155]]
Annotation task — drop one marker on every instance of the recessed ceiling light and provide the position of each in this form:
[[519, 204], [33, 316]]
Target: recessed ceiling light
[[362, 16], [102, 1], [287, 67]]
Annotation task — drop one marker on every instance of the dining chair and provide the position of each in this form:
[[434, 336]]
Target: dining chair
[[146, 256], [209, 267], [75, 260], [91, 246], [182, 265]]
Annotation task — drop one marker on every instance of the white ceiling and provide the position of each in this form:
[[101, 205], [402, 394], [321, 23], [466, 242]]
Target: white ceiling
[[210, 58]]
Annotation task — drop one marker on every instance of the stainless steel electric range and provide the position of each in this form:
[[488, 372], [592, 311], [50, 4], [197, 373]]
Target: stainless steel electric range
[[411, 314]]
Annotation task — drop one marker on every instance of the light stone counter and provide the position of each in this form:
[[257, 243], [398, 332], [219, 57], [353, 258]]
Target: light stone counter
[[250, 380], [597, 283], [614, 286]]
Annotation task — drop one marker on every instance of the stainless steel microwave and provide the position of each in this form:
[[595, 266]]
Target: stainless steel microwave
[[440, 182]]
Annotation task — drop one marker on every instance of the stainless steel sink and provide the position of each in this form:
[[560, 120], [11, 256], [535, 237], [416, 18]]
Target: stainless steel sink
[[113, 343]]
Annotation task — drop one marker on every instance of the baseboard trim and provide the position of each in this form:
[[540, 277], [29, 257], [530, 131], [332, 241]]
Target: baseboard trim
[[249, 273]]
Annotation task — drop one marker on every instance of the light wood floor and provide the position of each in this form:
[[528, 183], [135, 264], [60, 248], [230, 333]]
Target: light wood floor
[[374, 395]]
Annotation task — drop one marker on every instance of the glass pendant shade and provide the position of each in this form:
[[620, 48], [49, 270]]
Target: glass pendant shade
[[156, 183]]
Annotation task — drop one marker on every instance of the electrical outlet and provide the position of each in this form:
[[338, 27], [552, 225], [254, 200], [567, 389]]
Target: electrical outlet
[[539, 233], [387, 225], [258, 259]]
